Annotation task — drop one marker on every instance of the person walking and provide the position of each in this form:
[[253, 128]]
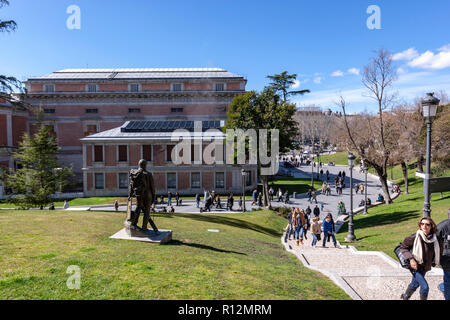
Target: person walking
[[255, 197], [286, 197], [240, 204], [423, 252], [66, 205], [197, 200], [443, 234], [230, 202], [314, 196], [308, 211], [356, 188], [299, 222], [307, 223], [328, 175], [316, 230], [169, 198], [177, 198], [316, 211], [309, 195], [328, 230], [328, 189], [291, 229], [361, 188], [271, 194], [260, 203], [218, 203], [280, 195], [116, 205]]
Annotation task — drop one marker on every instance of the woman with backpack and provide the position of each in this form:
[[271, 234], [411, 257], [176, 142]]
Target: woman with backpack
[[316, 230], [422, 249]]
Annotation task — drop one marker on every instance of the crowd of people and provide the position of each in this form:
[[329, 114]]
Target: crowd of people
[[301, 221]]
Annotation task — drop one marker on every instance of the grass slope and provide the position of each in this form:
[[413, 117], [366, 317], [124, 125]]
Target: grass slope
[[387, 225], [245, 260]]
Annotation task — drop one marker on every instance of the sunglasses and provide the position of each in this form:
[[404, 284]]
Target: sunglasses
[[425, 224]]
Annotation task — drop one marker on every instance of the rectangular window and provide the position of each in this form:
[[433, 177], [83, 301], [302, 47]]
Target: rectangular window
[[220, 87], [123, 153], [147, 152], [92, 88], [134, 110], [220, 180], [169, 149], [134, 87], [171, 180], [123, 181], [99, 181], [49, 110], [176, 110], [49, 88], [91, 110], [177, 87], [248, 179], [98, 153], [195, 180]]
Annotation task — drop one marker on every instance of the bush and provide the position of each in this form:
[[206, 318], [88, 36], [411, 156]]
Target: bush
[[282, 211]]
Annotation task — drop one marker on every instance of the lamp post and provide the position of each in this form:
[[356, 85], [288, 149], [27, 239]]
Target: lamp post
[[429, 108], [318, 165], [244, 173], [365, 169], [312, 171], [351, 233]]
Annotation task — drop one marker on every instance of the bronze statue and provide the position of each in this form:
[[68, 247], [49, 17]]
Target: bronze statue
[[143, 188]]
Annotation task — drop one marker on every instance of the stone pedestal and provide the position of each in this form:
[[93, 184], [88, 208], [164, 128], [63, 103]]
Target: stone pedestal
[[163, 236]]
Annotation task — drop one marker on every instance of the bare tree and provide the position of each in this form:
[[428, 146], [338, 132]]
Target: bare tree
[[374, 143]]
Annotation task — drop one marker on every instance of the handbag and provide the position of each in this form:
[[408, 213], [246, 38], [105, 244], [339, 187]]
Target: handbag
[[401, 258]]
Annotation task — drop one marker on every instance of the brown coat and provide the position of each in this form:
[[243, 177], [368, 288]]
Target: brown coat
[[406, 248], [315, 227]]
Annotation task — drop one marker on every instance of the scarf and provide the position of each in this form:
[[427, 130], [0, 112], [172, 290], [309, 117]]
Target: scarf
[[417, 247]]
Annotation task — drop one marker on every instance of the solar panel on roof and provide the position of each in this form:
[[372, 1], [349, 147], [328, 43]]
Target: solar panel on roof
[[167, 125]]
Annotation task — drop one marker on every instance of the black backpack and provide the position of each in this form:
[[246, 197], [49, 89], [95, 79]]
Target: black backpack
[[401, 258]]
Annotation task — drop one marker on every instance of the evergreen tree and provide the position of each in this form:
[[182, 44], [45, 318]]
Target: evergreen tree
[[282, 82], [38, 175]]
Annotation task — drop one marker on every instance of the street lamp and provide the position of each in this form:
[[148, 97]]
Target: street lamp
[[351, 234], [312, 171], [244, 173], [318, 165], [365, 169], [429, 108]]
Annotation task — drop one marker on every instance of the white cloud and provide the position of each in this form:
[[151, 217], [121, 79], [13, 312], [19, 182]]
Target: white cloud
[[409, 54], [401, 71], [318, 80], [338, 73], [430, 60], [296, 84], [354, 71]]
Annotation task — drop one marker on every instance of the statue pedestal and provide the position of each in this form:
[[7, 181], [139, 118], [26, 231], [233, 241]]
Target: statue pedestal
[[163, 236]]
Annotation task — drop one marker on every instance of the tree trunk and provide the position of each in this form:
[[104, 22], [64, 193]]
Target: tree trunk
[[420, 163], [405, 175], [384, 185], [265, 190]]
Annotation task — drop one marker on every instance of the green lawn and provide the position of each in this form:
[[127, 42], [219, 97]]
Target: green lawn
[[295, 185], [387, 225], [339, 158], [245, 260]]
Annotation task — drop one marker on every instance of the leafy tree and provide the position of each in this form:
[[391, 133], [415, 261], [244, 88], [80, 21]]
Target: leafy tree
[[39, 175], [264, 110], [7, 83], [282, 82]]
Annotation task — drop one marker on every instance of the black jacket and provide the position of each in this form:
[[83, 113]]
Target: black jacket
[[443, 235], [316, 211], [406, 248]]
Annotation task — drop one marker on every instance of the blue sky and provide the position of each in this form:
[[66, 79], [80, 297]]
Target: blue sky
[[315, 39]]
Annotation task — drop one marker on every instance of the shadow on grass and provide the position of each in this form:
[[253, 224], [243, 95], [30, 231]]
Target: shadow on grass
[[383, 219], [231, 222], [200, 246]]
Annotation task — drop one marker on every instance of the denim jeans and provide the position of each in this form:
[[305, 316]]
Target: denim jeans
[[299, 232], [289, 232], [169, 202], [197, 203], [325, 236], [314, 239], [418, 279], [446, 285]]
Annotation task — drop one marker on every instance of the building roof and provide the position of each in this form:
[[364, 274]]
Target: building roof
[[138, 73], [145, 130]]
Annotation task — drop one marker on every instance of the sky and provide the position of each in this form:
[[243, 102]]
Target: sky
[[326, 43]]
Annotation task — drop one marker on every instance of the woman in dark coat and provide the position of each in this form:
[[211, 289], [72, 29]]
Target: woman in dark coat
[[423, 251]]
